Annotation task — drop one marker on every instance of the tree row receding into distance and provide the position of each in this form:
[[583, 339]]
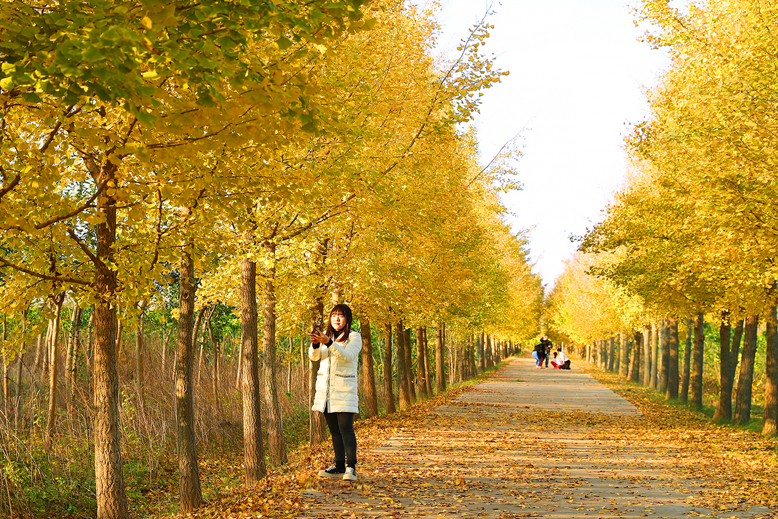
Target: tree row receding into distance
[[688, 248]]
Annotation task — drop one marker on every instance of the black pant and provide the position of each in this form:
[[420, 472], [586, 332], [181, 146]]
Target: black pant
[[344, 441]]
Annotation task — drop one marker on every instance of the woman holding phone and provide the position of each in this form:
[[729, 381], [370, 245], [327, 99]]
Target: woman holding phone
[[336, 388]]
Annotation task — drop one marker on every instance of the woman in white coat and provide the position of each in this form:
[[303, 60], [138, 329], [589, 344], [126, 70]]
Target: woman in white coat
[[336, 388]]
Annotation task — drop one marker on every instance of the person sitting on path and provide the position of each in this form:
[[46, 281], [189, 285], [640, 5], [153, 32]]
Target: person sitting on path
[[336, 388], [561, 361]]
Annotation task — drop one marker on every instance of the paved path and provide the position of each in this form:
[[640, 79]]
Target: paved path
[[526, 443]]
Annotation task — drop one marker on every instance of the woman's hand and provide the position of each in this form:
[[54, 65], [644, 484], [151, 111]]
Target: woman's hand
[[318, 337]]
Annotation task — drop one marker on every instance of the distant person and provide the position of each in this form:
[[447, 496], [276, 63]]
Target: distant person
[[539, 354], [561, 361]]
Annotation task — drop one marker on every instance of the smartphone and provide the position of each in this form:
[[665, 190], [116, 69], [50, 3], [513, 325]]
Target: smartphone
[[317, 326]]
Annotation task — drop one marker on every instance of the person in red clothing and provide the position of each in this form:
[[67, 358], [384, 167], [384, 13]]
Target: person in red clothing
[[561, 361]]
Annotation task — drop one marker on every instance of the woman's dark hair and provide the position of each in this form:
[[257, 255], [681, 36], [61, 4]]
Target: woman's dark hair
[[345, 311]]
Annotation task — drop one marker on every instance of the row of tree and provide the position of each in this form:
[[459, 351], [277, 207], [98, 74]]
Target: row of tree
[[181, 159], [692, 231]]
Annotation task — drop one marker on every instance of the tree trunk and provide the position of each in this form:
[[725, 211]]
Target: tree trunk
[[664, 357], [420, 368], [440, 368], [634, 364], [655, 341], [368, 372], [402, 368], [316, 424], [109, 481], [734, 351], [388, 390], [409, 363], [646, 364], [623, 354], [253, 451], [427, 375], [481, 360], [195, 334], [140, 385], [275, 430], [684, 397], [672, 368], [215, 382], [190, 493], [724, 408], [746, 377], [770, 425], [19, 366], [54, 369], [697, 362]]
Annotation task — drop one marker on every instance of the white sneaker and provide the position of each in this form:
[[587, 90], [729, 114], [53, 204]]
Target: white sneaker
[[350, 475]]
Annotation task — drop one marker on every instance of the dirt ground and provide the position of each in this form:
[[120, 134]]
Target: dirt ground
[[526, 443]]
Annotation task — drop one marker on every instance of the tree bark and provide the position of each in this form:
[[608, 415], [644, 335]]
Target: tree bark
[[190, 493], [697, 362], [409, 364], [316, 424], [402, 368], [54, 367], [140, 386], [655, 341], [427, 375], [745, 380], [634, 364], [770, 424], [275, 428], [440, 368], [734, 352], [623, 355], [687, 354], [109, 481], [724, 407], [672, 368], [388, 390], [664, 357], [420, 368], [253, 452], [368, 372], [481, 360], [646, 364]]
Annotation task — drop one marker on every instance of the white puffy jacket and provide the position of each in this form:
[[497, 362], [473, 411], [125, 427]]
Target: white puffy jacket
[[336, 381]]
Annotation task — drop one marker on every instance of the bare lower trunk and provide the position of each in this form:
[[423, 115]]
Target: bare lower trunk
[[409, 363], [253, 453], [672, 355], [275, 428], [368, 372], [734, 352], [140, 376], [189, 490], [695, 390], [664, 357], [770, 425], [402, 369], [655, 340], [685, 377], [440, 367], [623, 355], [54, 369], [746, 377], [427, 379], [724, 408], [634, 363], [420, 367], [481, 360], [316, 425], [646, 364], [388, 390]]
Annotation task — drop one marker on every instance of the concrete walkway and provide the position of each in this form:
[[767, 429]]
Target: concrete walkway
[[526, 443]]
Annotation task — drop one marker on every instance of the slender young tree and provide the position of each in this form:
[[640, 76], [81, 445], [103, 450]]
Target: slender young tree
[[388, 390], [697, 362]]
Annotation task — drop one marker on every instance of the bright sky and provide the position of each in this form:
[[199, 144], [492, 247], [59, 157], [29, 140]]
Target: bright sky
[[577, 77]]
